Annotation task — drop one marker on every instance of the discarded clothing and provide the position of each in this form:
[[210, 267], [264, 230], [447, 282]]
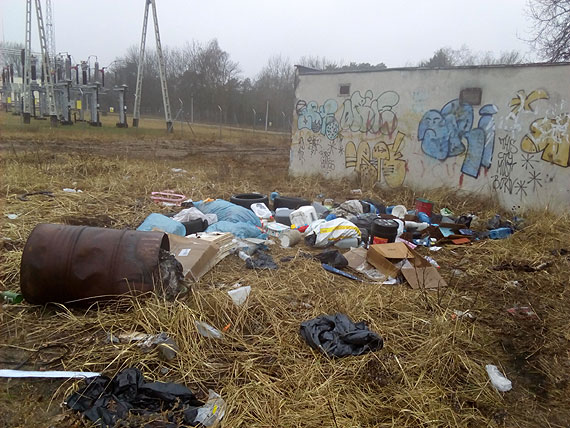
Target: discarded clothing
[[106, 401], [337, 336]]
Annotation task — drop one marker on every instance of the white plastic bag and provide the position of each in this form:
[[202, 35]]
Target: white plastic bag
[[240, 295], [498, 380], [207, 330]]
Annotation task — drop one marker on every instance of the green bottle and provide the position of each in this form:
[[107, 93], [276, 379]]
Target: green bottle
[[11, 297]]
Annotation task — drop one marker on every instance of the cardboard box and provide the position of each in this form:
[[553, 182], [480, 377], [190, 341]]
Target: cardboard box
[[418, 272], [197, 256]]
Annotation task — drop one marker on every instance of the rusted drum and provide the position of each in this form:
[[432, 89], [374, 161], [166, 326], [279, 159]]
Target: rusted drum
[[68, 263]]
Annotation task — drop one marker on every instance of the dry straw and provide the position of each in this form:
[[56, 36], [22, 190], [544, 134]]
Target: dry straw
[[430, 372]]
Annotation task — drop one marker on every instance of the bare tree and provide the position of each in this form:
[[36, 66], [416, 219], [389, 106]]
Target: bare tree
[[10, 54], [448, 57], [551, 28]]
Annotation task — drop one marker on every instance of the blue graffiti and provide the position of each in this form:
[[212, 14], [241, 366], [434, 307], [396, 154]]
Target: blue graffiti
[[443, 133], [320, 120]]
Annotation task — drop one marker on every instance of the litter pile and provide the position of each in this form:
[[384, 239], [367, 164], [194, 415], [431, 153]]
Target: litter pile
[[292, 309]]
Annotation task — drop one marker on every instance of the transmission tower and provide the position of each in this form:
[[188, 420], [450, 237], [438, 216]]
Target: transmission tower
[[46, 64], [50, 30], [161, 69]]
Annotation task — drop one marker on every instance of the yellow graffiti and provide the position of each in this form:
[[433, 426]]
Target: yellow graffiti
[[551, 136], [524, 101], [384, 160]]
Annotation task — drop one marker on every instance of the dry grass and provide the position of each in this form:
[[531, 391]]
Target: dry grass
[[430, 372], [150, 129]]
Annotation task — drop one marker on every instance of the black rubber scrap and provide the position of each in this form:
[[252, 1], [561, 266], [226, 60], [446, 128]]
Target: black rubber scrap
[[337, 336]]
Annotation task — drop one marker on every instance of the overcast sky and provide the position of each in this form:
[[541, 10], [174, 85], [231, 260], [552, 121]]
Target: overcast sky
[[397, 33]]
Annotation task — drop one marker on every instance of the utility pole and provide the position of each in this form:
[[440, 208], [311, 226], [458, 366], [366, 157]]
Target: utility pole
[[266, 115], [161, 68]]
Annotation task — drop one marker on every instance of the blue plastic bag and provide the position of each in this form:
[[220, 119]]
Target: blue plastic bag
[[163, 223], [240, 230], [226, 211]]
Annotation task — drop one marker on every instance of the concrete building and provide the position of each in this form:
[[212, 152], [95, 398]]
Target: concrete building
[[501, 131]]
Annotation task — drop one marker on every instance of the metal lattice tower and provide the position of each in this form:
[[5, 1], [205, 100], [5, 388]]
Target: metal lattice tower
[[48, 70], [50, 30], [27, 81], [161, 68]]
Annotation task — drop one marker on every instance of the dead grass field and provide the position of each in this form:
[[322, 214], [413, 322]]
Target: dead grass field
[[430, 373]]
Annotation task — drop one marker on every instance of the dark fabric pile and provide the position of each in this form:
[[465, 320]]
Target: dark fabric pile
[[337, 336], [106, 401]]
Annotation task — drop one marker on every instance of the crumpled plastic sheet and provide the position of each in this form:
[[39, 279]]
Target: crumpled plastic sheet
[[337, 336], [261, 260], [106, 401]]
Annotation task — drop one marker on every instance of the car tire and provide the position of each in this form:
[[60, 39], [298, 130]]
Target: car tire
[[247, 199], [289, 202]]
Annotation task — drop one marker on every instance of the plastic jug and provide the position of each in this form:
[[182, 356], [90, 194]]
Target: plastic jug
[[303, 216]]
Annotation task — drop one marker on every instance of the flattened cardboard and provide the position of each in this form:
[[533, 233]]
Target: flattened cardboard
[[423, 277], [194, 254], [355, 257]]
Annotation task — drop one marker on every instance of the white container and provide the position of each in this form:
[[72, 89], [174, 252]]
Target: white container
[[275, 229], [261, 210], [303, 216]]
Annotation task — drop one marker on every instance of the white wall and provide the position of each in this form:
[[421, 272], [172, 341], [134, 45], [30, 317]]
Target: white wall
[[403, 127]]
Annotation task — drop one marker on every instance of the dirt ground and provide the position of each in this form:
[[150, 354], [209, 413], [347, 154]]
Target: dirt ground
[[430, 372]]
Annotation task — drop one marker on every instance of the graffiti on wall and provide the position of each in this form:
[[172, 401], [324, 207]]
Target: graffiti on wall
[[319, 119], [366, 114], [384, 161], [551, 136], [370, 115], [522, 101], [443, 134]]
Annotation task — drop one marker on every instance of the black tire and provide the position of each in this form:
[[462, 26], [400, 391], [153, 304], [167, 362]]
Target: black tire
[[289, 202], [247, 199]]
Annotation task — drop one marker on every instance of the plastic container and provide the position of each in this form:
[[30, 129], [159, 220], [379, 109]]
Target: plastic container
[[163, 223], [500, 233], [399, 211], [347, 243], [320, 209], [275, 229], [423, 217], [290, 238], [383, 231], [303, 216], [261, 210], [424, 206], [282, 216]]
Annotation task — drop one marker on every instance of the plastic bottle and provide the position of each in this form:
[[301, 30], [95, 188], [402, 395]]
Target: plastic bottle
[[500, 233], [11, 297]]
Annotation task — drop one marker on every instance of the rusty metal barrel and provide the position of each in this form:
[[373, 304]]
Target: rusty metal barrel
[[63, 263]]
